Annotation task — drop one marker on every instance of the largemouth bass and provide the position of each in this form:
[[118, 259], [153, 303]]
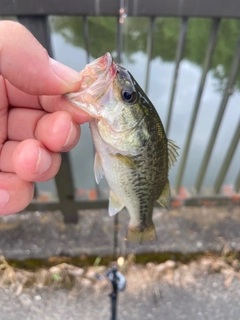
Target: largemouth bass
[[132, 149]]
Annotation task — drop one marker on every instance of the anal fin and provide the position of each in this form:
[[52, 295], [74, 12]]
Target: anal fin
[[115, 205], [165, 196]]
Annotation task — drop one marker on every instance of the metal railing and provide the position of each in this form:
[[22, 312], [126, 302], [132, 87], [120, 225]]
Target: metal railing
[[34, 15]]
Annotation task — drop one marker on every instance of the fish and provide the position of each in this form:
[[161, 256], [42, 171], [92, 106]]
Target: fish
[[132, 150]]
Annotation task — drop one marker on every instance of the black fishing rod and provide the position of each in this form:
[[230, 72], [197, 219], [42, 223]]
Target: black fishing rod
[[118, 282]]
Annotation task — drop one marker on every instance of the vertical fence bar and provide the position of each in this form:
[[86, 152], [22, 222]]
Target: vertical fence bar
[[237, 183], [149, 50], [119, 60], [179, 55], [120, 23], [227, 160], [206, 65], [65, 187], [86, 37], [86, 45], [228, 91], [38, 25]]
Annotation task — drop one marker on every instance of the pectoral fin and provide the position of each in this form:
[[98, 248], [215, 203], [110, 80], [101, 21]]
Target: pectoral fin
[[127, 160], [98, 170], [115, 204], [165, 196]]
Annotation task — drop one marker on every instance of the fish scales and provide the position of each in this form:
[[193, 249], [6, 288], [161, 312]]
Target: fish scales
[[132, 149]]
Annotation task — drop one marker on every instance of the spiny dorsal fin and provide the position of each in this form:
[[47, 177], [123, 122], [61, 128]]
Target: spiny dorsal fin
[[98, 170], [165, 196], [172, 153]]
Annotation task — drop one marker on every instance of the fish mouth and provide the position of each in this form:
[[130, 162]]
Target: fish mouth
[[101, 65], [96, 79], [98, 70]]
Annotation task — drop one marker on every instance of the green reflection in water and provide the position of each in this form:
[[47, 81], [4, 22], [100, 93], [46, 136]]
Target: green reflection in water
[[102, 38], [13, 18]]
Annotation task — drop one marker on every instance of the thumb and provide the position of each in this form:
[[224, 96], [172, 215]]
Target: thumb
[[26, 64]]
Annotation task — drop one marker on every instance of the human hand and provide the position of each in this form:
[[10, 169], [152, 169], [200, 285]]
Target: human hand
[[36, 122]]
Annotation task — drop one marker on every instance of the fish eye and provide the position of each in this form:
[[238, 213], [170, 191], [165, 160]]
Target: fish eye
[[129, 96]]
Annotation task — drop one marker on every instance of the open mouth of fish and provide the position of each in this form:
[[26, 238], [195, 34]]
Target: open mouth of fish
[[99, 72], [96, 78]]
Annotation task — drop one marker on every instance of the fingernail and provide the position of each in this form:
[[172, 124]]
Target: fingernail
[[43, 162], [65, 73], [4, 197], [72, 134]]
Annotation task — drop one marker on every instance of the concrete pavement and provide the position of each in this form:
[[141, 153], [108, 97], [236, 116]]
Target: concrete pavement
[[189, 230]]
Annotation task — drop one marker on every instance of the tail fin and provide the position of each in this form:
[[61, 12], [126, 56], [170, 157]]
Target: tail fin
[[138, 236]]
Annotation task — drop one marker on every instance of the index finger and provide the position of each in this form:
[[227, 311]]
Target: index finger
[[26, 64], [18, 98]]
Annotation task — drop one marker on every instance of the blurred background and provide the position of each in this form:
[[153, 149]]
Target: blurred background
[[186, 56], [187, 63], [69, 47]]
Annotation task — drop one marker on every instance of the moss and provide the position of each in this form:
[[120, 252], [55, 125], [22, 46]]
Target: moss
[[86, 261]]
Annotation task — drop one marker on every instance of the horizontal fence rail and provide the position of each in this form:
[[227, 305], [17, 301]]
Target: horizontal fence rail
[[176, 8], [34, 15]]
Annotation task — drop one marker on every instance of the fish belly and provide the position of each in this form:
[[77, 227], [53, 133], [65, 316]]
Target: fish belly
[[133, 181]]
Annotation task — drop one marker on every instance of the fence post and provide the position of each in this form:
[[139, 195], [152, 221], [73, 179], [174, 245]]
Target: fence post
[[39, 27]]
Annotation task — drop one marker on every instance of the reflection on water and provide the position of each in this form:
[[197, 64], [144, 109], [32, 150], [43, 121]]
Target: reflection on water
[[68, 45], [102, 38]]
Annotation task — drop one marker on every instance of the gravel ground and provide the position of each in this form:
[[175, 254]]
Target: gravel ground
[[208, 288], [209, 299], [202, 290]]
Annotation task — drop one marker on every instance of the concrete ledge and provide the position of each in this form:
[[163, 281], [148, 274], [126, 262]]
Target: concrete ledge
[[189, 230]]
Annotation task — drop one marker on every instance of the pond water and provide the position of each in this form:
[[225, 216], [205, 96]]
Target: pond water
[[69, 48]]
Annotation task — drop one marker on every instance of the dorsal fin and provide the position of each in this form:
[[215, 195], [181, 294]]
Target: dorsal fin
[[172, 153]]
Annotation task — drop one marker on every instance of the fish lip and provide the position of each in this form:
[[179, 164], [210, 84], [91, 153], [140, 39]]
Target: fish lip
[[104, 63], [109, 60], [101, 65], [96, 78], [95, 71]]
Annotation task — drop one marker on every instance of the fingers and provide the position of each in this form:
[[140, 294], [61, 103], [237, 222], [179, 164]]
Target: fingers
[[15, 193], [3, 112], [30, 160], [22, 123], [30, 79], [57, 131], [18, 98], [27, 66], [33, 162], [56, 103]]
